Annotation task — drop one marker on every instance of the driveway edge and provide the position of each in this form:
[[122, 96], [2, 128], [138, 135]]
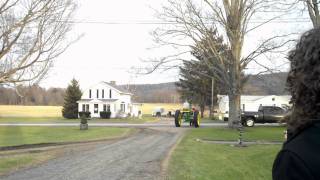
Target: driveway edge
[[165, 162]]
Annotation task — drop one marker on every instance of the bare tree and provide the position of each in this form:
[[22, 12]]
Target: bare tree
[[32, 34], [313, 9], [192, 24]]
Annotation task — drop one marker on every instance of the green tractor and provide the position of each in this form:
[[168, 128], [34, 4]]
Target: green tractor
[[188, 114]]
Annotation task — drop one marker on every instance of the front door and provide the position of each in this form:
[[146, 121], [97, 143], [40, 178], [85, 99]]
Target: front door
[[96, 108]]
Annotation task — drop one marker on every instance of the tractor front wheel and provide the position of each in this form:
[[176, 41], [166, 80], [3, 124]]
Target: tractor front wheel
[[196, 119], [177, 118]]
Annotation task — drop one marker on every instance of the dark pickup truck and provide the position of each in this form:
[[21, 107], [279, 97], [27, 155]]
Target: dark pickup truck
[[265, 114]]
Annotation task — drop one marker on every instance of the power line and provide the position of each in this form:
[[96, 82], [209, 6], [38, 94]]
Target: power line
[[137, 22], [151, 22], [119, 22]]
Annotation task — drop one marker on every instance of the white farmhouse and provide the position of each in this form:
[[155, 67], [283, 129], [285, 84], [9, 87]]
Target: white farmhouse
[[252, 103], [106, 96]]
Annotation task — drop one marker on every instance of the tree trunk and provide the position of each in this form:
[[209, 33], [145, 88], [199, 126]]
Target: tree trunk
[[202, 107], [235, 87], [234, 110]]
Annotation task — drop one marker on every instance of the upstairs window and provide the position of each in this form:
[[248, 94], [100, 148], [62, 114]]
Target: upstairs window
[[102, 93], [110, 94], [97, 93], [89, 93]]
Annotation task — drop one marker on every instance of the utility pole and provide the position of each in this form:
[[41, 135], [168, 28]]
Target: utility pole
[[212, 92]]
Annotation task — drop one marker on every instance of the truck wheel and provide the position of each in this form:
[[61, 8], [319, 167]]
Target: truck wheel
[[177, 118], [196, 119], [249, 122]]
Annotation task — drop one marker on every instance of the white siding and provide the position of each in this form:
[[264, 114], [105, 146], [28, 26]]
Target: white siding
[[252, 103], [115, 104]]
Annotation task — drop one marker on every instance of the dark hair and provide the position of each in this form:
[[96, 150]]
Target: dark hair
[[303, 80]]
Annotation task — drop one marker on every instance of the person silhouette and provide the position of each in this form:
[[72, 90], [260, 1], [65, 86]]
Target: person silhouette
[[299, 157]]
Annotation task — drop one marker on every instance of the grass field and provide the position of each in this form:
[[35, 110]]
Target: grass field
[[55, 111], [12, 136], [30, 111], [198, 160], [147, 108]]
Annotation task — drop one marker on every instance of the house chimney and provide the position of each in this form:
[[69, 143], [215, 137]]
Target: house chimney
[[113, 82]]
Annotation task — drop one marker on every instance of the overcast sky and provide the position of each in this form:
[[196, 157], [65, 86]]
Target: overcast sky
[[106, 52]]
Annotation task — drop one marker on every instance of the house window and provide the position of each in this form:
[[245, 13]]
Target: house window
[[96, 108], [90, 94], [83, 107], [87, 107], [102, 93], [108, 107], [110, 94], [97, 93], [123, 107]]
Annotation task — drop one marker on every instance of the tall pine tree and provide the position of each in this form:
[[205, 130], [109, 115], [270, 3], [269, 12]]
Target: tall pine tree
[[196, 75], [73, 94]]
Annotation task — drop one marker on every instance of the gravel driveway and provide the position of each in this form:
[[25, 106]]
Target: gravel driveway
[[136, 157]]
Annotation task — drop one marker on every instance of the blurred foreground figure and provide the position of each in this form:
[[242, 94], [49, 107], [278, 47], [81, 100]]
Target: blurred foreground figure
[[300, 155]]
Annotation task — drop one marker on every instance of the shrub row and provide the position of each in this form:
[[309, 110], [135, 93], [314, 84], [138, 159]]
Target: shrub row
[[85, 114], [105, 114]]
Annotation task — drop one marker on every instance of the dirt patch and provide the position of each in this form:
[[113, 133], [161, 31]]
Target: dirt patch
[[38, 158]]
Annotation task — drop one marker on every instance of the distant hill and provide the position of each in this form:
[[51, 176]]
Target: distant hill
[[266, 84], [154, 93]]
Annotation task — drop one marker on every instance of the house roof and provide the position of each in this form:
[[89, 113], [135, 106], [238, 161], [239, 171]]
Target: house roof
[[121, 89]]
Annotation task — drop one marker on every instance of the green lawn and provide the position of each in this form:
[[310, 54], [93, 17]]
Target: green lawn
[[11, 136], [255, 133], [199, 160]]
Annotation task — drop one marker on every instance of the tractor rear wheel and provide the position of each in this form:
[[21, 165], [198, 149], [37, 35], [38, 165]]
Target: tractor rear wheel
[[177, 118], [196, 119]]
